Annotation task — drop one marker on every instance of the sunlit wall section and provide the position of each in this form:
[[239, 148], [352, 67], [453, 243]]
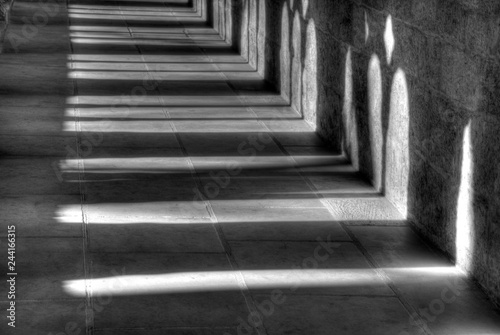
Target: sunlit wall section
[[397, 148], [389, 40], [262, 51], [222, 18], [243, 40], [229, 22], [310, 80], [350, 129], [252, 33], [285, 60], [375, 96], [465, 213], [297, 64]]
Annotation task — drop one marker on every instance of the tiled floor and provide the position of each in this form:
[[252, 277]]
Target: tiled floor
[[158, 189]]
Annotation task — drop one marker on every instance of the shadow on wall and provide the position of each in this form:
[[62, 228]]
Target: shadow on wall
[[427, 153], [312, 57], [433, 155], [378, 142], [302, 92], [479, 250], [386, 149], [292, 69]]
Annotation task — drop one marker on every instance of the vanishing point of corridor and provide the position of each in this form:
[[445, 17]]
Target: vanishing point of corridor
[[158, 185]]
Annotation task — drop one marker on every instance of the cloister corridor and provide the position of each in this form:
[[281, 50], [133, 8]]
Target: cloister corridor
[[158, 184]]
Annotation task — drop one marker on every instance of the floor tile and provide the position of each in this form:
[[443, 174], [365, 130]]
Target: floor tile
[[153, 237], [337, 315], [229, 144], [256, 187], [43, 264], [36, 176], [276, 219], [45, 317], [40, 215], [311, 268], [174, 310]]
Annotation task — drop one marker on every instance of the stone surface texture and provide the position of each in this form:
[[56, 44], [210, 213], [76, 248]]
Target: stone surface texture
[[160, 184]]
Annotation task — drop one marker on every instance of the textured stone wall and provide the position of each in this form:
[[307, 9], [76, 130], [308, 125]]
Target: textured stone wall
[[410, 91], [424, 121]]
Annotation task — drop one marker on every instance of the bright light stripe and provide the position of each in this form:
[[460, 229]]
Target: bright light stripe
[[465, 209], [211, 281]]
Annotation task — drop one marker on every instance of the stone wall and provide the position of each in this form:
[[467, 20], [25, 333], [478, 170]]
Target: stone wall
[[423, 121], [410, 91]]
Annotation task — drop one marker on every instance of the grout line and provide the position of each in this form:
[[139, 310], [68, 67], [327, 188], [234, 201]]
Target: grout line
[[89, 307], [244, 290], [406, 305]]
